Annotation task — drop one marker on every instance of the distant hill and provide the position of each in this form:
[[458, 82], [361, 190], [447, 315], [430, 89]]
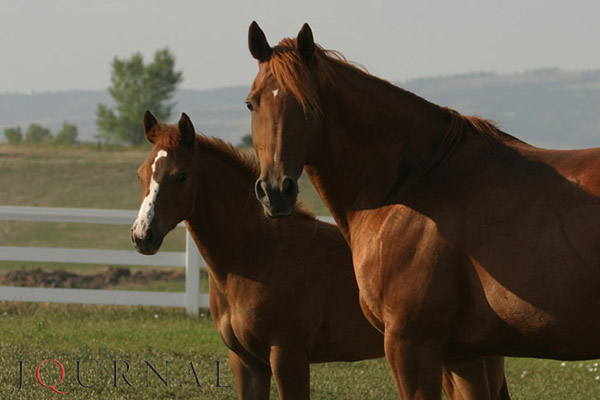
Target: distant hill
[[548, 107]]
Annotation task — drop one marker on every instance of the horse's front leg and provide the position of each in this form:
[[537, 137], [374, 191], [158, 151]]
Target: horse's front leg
[[291, 371], [475, 378], [496, 377], [417, 316], [253, 381], [416, 365]]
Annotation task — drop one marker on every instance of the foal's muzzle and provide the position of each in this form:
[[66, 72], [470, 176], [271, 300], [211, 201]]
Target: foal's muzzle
[[277, 200], [146, 242]]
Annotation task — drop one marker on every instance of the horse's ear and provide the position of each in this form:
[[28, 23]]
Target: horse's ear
[[306, 43], [257, 43], [150, 123], [188, 133]]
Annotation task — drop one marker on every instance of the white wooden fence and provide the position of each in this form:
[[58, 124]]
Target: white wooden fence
[[191, 259]]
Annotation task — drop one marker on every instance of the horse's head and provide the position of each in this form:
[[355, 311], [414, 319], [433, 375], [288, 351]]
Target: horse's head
[[168, 178], [286, 115]]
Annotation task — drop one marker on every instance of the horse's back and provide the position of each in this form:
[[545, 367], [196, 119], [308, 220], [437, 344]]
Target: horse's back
[[580, 167], [535, 248]]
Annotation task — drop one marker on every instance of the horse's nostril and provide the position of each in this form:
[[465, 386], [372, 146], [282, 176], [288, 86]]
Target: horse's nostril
[[289, 188], [149, 237], [260, 189]]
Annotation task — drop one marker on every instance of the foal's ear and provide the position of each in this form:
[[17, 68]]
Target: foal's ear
[[257, 43], [150, 123], [188, 133], [306, 43]]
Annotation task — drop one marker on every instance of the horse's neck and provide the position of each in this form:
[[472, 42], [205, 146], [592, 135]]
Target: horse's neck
[[227, 217], [375, 138]]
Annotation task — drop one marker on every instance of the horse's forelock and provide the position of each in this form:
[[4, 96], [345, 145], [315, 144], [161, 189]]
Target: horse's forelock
[[293, 74], [169, 137]]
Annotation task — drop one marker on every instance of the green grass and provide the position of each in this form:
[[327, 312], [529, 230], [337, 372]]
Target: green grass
[[67, 333], [65, 177]]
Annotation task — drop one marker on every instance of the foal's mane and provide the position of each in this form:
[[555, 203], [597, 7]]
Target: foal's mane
[[243, 162]]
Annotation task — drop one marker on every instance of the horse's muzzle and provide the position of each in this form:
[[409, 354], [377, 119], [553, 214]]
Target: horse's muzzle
[[147, 242], [277, 200]]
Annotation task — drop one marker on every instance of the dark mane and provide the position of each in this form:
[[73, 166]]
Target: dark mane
[[462, 125], [244, 163]]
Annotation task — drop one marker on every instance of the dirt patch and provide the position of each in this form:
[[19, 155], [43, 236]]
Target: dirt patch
[[112, 276]]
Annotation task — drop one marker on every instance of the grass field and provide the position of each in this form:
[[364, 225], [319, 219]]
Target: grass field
[[35, 332]]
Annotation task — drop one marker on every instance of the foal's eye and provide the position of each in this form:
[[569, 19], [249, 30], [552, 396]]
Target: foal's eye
[[181, 177], [250, 106]]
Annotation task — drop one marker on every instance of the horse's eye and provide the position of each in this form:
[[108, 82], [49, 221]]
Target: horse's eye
[[181, 177], [250, 106]]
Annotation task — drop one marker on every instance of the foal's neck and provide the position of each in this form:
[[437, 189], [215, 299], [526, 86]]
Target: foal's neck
[[227, 219], [376, 139]]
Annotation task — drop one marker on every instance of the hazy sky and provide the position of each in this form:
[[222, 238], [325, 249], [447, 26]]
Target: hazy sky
[[50, 45]]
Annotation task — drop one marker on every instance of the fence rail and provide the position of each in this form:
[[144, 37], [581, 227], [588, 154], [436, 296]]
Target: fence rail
[[191, 259]]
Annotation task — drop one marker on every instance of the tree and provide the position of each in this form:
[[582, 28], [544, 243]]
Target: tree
[[67, 135], [37, 134], [13, 135], [135, 88], [246, 141]]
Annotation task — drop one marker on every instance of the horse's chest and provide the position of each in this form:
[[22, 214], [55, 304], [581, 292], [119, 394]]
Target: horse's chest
[[245, 322], [241, 334], [400, 258]]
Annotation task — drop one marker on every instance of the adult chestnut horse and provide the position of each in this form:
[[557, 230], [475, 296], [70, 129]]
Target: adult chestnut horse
[[277, 307], [466, 241]]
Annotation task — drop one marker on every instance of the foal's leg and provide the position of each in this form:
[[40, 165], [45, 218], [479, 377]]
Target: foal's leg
[[291, 371], [252, 382]]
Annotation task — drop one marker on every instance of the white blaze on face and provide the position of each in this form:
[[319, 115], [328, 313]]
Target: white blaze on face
[[146, 213], [275, 92]]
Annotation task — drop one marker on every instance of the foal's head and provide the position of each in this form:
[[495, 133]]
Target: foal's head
[[168, 178], [286, 115]]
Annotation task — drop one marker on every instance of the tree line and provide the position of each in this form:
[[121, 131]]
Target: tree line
[[37, 134]]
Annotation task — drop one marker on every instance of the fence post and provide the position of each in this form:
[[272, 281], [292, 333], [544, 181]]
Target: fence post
[[192, 276]]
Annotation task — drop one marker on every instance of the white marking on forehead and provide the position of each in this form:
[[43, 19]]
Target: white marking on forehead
[[146, 213], [275, 92], [159, 155], [274, 157]]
